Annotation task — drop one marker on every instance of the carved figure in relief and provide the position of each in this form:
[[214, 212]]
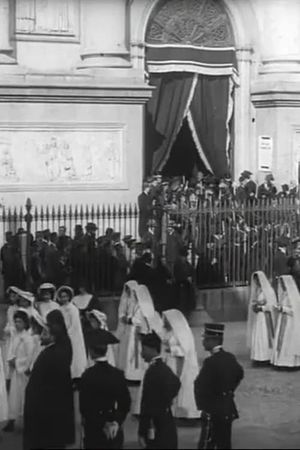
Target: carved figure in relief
[[111, 156], [8, 170], [88, 158], [52, 160], [67, 162]]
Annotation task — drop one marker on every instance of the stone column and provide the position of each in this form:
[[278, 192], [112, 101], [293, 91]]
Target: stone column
[[104, 34], [280, 29], [5, 47]]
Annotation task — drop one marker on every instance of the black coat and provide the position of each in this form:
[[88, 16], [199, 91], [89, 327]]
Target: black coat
[[104, 397], [280, 264], [161, 386], [145, 212], [49, 409], [215, 386]]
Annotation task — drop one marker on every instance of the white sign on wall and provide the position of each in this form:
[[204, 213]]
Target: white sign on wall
[[265, 153]]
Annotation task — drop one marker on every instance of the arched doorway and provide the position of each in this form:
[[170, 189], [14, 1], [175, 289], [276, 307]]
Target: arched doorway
[[190, 59]]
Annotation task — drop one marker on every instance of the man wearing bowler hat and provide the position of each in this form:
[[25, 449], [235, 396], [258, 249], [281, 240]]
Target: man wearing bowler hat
[[104, 396], [280, 262], [250, 186], [215, 385]]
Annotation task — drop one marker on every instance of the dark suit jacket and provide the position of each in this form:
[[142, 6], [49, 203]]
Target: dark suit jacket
[[104, 397], [161, 386], [215, 386], [145, 212], [48, 412]]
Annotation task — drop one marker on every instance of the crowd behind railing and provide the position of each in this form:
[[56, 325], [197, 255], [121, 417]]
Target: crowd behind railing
[[210, 231]]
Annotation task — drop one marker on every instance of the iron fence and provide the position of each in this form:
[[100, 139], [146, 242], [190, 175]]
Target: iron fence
[[225, 242]]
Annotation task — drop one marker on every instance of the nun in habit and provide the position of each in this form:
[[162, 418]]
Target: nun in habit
[[179, 353], [136, 315], [286, 351], [71, 316], [98, 321], [261, 318]]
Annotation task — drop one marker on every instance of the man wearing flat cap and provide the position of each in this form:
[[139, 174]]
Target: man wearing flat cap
[[215, 385], [104, 396], [157, 427]]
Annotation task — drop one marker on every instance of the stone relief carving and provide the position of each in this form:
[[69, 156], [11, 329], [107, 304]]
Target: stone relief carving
[[193, 22], [59, 157], [45, 16]]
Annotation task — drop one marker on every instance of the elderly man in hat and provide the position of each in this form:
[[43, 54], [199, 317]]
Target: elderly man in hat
[[250, 186], [157, 428], [267, 190], [104, 396], [215, 385]]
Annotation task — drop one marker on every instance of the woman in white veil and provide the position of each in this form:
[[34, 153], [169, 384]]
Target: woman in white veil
[[287, 337], [261, 318], [136, 315], [180, 355]]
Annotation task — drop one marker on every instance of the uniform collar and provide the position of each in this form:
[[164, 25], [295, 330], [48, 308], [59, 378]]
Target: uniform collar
[[217, 349], [101, 359], [154, 360]]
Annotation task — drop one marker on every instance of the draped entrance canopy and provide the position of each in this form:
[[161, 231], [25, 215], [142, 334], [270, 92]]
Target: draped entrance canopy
[[191, 61]]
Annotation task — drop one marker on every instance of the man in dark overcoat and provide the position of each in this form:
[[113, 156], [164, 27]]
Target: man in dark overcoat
[[145, 201], [49, 409], [215, 385], [104, 396], [157, 429]]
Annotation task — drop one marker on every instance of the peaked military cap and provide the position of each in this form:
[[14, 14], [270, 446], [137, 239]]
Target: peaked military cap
[[214, 330], [151, 340], [98, 338], [246, 174]]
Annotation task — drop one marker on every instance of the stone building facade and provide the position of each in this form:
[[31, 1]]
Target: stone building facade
[[73, 90]]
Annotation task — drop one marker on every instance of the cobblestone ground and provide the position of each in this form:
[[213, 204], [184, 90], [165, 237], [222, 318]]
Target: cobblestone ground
[[268, 401]]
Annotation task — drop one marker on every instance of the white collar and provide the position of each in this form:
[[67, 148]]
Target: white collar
[[101, 359], [282, 250], [216, 349], [155, 359]]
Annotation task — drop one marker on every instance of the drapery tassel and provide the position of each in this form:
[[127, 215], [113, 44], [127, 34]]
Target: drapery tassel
[[229, 116]]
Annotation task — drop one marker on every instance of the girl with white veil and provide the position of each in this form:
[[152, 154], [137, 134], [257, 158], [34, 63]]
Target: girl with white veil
[[261, 318], [179, 353], [287, 337], [136, 315]]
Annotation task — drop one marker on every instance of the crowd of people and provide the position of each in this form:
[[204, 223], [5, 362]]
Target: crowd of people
[[57, 345]]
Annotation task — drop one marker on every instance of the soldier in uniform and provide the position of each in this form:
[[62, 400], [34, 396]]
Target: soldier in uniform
[[104, 396], [157, 427], [214, 391]]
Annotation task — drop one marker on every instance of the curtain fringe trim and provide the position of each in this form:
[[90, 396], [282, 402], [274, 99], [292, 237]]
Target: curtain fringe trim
[[197, 142]]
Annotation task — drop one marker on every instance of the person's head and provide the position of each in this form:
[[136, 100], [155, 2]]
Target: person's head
[[82, 289], [213, 336], [56, 325], [146, 188], [13, 295], [53, 238], [257, 280], [25, 299], [246, 174], [21, 320], [65, 295], [47, 235], [146, 258], [78, 230], [46, 292], [151, 346], [167, 324], [62, 231], [37, 325], [269, 178], [98, 341], [39, 236], [8, 237]]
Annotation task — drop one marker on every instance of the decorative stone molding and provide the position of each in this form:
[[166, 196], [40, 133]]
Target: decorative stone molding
[[134, 94], [276, 95], [193, 22]]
